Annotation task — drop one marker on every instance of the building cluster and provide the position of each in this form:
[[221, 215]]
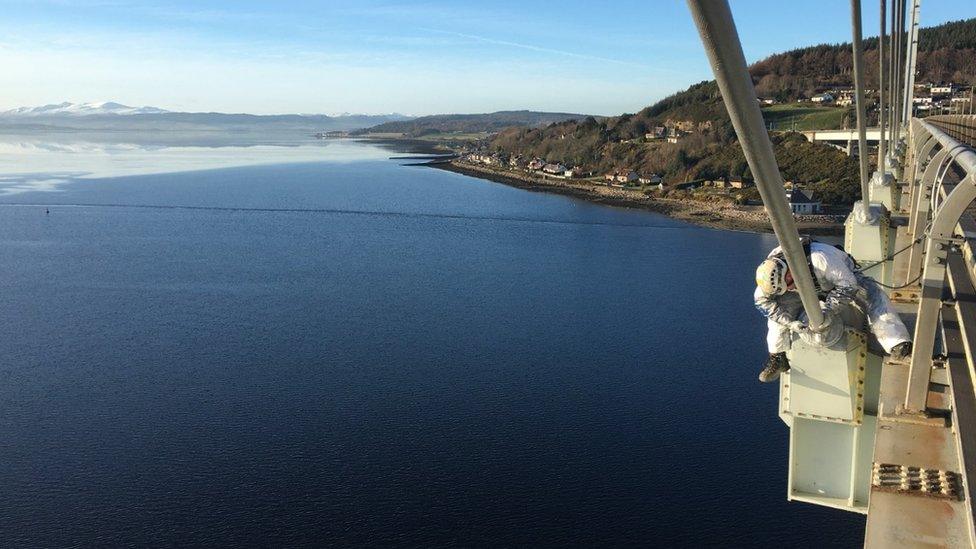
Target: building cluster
[[942, 98], [332, 135], [727, 183], [485, 158], [723, 185], [624, 177], [536, 165], [929, 98], [540, 166], [842, 97], [673, 130], [802, 201]]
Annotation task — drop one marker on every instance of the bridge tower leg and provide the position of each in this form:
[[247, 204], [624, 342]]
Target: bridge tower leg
[[883, 190], [868, 234], [870, 240]]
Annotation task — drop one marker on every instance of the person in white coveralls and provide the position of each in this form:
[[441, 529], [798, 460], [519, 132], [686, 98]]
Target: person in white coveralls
[[839, 284]]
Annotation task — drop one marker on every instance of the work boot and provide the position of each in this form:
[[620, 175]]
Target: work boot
[[902, 350], [776, 364]]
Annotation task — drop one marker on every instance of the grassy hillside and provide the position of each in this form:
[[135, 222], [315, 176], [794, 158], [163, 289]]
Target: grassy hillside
[[803, 116]]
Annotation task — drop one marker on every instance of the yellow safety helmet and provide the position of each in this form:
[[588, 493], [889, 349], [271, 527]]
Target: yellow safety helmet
[[771, 276]]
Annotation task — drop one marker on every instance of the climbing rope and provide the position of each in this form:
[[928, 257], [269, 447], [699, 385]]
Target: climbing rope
[[925, 233], [892, 256], [905, 285]]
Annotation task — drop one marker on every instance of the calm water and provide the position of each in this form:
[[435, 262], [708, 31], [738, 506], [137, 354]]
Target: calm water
[[327, 347]]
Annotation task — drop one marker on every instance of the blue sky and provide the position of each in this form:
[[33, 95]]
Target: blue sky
[[373, 56]]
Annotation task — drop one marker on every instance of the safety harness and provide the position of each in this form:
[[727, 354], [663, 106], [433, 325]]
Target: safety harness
[[806, 241]]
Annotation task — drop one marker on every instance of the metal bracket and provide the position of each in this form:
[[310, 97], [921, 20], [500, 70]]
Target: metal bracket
[[906, 295], [953, 240]]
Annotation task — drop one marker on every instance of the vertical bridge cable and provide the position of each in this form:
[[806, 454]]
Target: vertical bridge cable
[[891, 73], [902, 38], [911, 53], [721, 40], [902, 5], [895, 61], [862, 140], [882, 146]]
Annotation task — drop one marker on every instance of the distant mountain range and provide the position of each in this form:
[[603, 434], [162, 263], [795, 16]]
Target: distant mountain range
[[80, 109], [470, 123], [111, 116]]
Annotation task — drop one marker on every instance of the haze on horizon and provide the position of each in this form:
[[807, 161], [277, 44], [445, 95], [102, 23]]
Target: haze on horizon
[[417, 58]]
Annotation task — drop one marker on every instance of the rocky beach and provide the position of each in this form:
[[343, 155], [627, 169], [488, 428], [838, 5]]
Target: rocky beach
[[709, 214]]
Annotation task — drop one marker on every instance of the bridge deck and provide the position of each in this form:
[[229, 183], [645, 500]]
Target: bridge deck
[[898, 519]]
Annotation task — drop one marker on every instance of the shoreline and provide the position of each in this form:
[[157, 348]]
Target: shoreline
[[705, 214], [407, 146]]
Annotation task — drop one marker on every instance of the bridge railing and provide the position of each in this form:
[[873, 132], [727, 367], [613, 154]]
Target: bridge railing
[[960, 127], [938, 147]]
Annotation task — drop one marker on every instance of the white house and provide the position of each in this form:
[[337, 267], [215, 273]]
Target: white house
[[802, 202], [675, 135], [738, 183], [823, 98], [626, 176], [657, 132], [622, 176]]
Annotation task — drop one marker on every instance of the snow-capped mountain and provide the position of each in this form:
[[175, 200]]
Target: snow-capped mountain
[[111, 116], [81, 109]]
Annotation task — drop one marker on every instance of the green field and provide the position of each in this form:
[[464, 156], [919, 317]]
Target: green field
[[803, 116]]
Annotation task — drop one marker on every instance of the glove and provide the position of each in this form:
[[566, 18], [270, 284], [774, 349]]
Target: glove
[[828, 320], [798, 327]]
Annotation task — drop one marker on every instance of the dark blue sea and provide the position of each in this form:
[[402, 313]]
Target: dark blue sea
[[344, 350]]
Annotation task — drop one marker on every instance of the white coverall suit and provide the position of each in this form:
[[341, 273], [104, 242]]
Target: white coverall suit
[[840, 286]]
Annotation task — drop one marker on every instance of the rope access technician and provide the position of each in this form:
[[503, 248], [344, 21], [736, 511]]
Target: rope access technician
[[839, 284]]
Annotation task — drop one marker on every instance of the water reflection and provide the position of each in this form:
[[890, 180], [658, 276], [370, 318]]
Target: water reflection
[[48, 161]]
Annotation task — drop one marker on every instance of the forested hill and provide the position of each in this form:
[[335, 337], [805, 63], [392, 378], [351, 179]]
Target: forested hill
[[470, 123], [947, 53]]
